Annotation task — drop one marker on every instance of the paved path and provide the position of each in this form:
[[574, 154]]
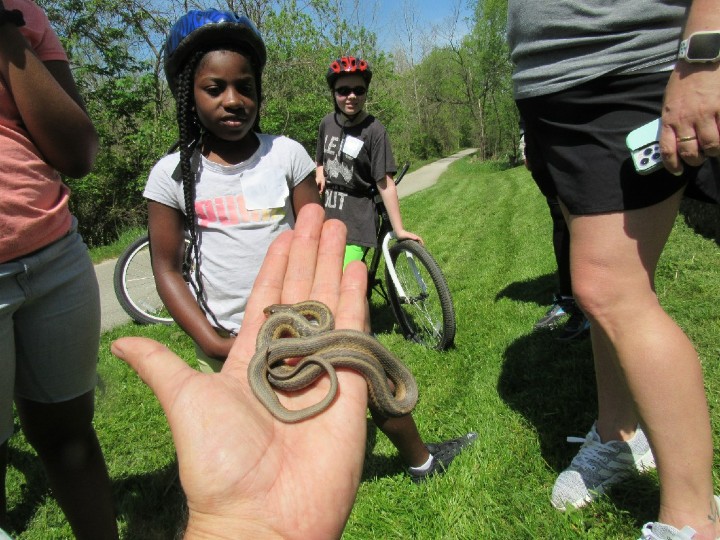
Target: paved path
[[427, 175], [113, 315]]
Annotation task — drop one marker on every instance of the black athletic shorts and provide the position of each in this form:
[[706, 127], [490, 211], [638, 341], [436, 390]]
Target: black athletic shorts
[[575, 146]]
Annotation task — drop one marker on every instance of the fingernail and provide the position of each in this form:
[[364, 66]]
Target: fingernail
[[116, 349]]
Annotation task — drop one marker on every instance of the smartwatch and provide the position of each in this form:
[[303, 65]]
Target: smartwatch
[[701, 47]]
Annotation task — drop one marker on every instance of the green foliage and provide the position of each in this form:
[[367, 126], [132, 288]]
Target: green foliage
[[125, 99], [457, 95], [109, 199], [460, 94], [524, 392], [293, 81]]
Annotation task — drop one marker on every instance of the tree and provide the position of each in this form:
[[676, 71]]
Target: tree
[[446, 97], [486, 68]]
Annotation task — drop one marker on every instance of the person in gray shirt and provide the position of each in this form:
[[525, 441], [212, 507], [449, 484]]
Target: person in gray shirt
[[587, 74]]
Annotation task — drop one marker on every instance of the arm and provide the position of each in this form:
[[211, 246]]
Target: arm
[[49, 104], [306, 192], [692, 101], [388, 192], [320, 178], [319, 156], [263, 490], [167, 245]]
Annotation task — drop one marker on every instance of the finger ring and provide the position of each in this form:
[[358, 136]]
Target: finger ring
[[687, 139]]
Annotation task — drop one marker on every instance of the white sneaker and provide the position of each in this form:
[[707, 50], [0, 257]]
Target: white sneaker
[[598, 466], [660, 531]]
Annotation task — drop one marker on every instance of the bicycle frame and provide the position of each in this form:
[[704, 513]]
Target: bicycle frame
[[382, 248], [402, 296]]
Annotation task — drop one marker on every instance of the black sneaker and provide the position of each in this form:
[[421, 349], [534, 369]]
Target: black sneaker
[[443, 453], [576, 327], [554, 315]]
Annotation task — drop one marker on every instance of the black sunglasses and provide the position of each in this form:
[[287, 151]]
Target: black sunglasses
[[345, 91]]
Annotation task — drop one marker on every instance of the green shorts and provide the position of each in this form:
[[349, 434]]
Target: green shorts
[[353, 253]]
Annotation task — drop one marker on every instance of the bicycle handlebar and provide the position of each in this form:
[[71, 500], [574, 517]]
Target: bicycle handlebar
[[402, 172]]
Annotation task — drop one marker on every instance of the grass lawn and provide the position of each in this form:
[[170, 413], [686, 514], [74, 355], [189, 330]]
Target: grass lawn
[[523, 392]]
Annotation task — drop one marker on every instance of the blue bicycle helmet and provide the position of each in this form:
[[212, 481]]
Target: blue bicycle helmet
[[206, 29]]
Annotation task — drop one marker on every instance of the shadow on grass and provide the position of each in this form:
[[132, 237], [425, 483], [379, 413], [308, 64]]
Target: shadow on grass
[[382, 318], [152, 505], [377, 466], [32, 492], [552, 385], [538, 290]]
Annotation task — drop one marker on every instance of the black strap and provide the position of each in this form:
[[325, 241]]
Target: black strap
[[12, 16], [365, 193]]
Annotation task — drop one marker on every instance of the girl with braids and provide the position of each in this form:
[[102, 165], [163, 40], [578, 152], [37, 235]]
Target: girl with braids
[[232, 189]]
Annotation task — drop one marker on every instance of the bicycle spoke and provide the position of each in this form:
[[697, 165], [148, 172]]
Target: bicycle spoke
[[135, 285], [420, 298]]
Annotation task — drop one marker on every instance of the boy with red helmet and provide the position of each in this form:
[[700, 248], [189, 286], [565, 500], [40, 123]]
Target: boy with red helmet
[[354, 154]]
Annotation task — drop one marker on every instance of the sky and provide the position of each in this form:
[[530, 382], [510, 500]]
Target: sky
[[433, 21]]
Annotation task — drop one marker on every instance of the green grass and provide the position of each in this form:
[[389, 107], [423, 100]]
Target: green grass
[[523, 392], [113, 251]]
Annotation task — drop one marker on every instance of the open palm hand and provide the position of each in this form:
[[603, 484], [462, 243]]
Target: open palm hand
[[245, 474]]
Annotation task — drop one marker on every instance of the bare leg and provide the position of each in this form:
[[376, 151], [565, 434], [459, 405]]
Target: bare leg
[[404, 435], [402, 431], [617, 416], [613, 262], [64, 438], [561, 247]]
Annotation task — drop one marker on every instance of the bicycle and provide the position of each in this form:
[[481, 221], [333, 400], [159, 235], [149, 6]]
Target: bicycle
[[416, 287], [134, 284], [417, 290]]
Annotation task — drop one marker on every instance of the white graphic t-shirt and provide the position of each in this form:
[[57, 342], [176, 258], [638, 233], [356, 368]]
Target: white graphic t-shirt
[[240, 210]]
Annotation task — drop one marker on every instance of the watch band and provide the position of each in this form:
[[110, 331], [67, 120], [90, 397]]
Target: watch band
[[11, 16]]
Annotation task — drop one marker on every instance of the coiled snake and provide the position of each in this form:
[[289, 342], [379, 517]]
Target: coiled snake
[[307, 330]]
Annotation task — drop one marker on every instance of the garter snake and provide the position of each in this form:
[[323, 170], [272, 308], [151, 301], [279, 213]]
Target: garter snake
[[306, 330]]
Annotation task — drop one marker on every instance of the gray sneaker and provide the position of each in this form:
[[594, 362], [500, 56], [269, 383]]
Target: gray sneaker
[[598, 466], [660, 531]]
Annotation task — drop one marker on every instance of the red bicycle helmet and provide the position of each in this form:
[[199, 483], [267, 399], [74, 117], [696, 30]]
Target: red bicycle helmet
[[347, 65], [197, 29]]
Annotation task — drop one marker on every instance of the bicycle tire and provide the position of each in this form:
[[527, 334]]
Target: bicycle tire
[[134, 284], [427, 314]]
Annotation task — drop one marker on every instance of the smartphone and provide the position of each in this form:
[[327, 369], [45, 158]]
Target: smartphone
[[644, 146]]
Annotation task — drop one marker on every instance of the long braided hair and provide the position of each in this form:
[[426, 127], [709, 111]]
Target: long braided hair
[[190, 136]]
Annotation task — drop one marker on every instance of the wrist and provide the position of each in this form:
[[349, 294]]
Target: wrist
[[206, 527]]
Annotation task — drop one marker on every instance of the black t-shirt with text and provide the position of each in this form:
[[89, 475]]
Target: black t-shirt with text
[[354, 158]]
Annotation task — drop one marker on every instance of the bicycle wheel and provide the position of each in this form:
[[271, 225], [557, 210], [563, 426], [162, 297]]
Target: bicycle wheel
[[134, 284], [426, 313]]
